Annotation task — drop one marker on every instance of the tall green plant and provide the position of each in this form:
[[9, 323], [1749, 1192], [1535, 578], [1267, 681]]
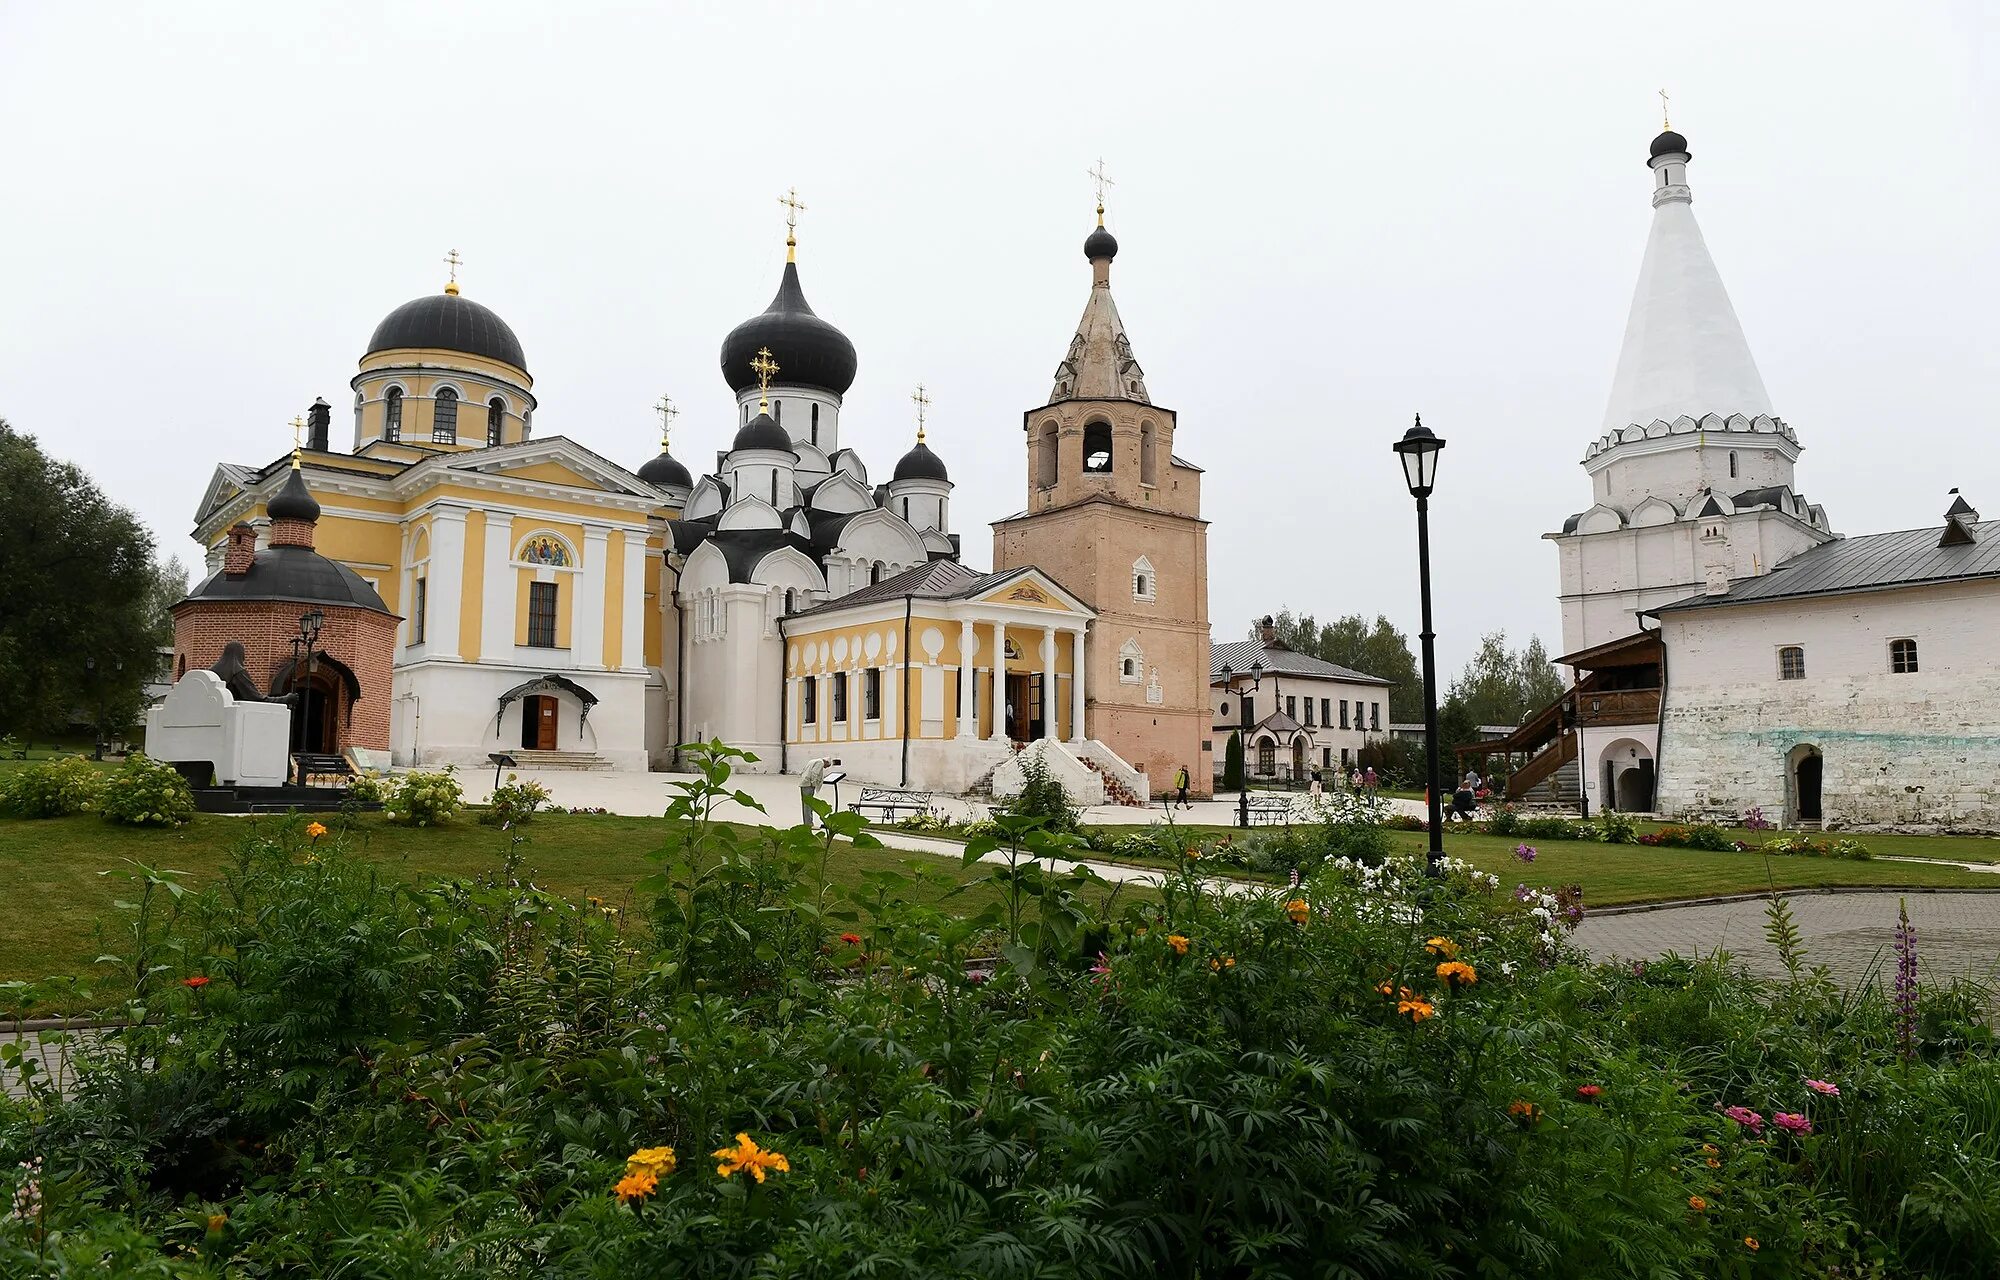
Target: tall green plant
[[1232, 763]]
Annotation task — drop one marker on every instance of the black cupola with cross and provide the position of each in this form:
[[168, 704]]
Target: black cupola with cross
[[812, 352]]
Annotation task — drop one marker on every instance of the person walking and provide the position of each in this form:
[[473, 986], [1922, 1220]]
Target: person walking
[[1369, 780], [1316, 785], [1181, 788], [810, 779]]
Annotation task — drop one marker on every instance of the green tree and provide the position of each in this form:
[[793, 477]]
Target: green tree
[[80, 615], [1498, 686], [1232, 764], [1374, 648]]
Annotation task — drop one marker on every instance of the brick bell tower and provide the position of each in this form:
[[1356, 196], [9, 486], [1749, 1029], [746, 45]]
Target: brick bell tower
[[1115, 517]]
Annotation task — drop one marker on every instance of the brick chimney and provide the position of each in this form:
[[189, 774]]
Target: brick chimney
[[1267, 628], [242, 549], [319, 422]]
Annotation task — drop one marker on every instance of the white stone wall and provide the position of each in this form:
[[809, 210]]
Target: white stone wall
[[1909, 749], [444, 714], [1271, 697]]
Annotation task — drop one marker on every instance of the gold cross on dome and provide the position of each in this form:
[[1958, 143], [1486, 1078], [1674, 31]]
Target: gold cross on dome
[[1664, 125], [765, 368], [298, 439], [793, 208], [923, 403], [665, 408], [453, 260], [1102, 180]]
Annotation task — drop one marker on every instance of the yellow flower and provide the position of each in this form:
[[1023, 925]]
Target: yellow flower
[[1697, 1204], [1299, 910], [1442, 947], [217, 1221], [1178, 942], [1417, 1009], [1194, 853], [1713, 1163], [658, 1161], [747, 1157], [1226, 962], [315, 829], [1527, 1111], [1750, 1243], [1458, 973], [636, 1186]]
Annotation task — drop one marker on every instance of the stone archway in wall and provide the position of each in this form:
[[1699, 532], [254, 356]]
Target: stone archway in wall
[[1625, 776], [1805, 777]]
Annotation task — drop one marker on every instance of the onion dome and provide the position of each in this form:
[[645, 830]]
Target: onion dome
[[449, 322], [1670, 143], [666, 471], [809, 351], [921, 464], [294, 501], [762, 432], [1100, 244]]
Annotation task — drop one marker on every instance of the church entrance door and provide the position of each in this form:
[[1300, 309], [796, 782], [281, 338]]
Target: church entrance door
[[1808, 772], [538, 722], [1021, 707]]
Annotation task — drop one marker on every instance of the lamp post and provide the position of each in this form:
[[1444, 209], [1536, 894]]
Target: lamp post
[[1243, 734], [1418, 451], [307, 640]]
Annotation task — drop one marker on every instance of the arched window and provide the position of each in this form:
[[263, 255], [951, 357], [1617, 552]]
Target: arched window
[[1097, 448], [778, 412], [1145, 584], [496, 417], [815, 424], [1903, 656], [1149, 471], [1131, 663], [874, 573], [1732, 464], [1791, 663], [444, 419], [544, 548], [1045, 461], [774, 486], [1267, 757], [746, 415], [392, 414], [906, 508]]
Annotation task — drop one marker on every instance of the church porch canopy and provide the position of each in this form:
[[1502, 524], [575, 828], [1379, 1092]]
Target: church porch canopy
[[547, 684]]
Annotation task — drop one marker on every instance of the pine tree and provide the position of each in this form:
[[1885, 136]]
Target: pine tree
[[1232, 764]]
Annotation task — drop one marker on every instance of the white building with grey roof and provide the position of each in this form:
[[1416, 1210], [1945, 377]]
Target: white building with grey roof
[[1305, 713]]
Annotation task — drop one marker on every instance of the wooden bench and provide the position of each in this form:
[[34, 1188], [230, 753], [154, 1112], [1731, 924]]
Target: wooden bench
[[1270, 811], [891, 803]]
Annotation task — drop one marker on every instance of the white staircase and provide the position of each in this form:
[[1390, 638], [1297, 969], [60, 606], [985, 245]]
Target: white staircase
[[580, 761]]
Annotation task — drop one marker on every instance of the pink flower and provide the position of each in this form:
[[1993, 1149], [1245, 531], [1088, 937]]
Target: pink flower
[[1792, 1121], [1746, 1117], [1826, 1087], [1589, 1092]]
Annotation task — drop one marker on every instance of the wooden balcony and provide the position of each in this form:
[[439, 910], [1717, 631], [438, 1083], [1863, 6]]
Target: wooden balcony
[[1617, 706]]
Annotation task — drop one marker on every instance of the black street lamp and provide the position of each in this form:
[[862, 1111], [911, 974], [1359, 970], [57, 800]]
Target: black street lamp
[[303, 646], [1418, 450], [1243, 735]]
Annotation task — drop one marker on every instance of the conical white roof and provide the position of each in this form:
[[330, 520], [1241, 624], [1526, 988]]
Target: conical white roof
[[1684, 350]]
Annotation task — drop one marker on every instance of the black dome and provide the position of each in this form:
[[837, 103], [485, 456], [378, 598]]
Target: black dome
[[449, 322], [293, 573], [1100, 244], [1670, 143], [921, 464], [762, 432], [666, 470], [809, 351], [294, 501]]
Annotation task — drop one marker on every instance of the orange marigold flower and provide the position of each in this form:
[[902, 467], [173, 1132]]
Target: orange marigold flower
[[1750, 1243], [1521, 1109], [195, 983], [747, 1157], [1697, 1204], [1417, 1009], [1226, 962], [1458, 973], [315, 829], [1442, 947], [1178, 942], [658, 1161], [1713, 1163], [636, 1186], [1299, 910], [217, 1221]]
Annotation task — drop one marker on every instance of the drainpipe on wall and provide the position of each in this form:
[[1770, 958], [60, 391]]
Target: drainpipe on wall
[[784, 699], [905, 708], [1660, 725], [680, 661], [416, 729]]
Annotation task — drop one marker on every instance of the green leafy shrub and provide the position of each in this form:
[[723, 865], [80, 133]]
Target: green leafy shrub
[[1504, 820], [1232, 763], [513, 803], [1043, 797], [1798, 844], [1613, 827], [51, 788], [147, 793], [419, 799], [1548, 828], [923, 822], [366, 789]]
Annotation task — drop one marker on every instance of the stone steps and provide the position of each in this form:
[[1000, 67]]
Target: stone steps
[[580, 761], [1115, 791]]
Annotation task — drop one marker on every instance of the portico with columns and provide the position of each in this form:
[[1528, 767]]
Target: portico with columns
[[933, 676]]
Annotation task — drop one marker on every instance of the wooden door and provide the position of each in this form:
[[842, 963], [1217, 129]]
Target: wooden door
[[545, 724]]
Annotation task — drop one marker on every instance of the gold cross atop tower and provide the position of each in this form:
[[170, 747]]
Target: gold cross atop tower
[[923, 403], [665, 408], [793, 208], [765, 368], [1664, 125], [1102, 180], [298, 436], [452, 258]]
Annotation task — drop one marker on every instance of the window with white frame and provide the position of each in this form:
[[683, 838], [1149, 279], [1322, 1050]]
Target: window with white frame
[[1791, 663], [444, 417], [871, 694], [1903, 656], [1131, 663], [1145, 583]]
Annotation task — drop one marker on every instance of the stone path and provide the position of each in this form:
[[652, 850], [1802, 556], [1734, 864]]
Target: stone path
[[1958, 934]]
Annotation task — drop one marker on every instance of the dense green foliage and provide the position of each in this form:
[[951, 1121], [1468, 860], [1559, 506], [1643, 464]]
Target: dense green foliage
[[1043, 797], [51, 788], [1232, 763], [418, 798], [147, 793], [1373, 1075], [513, 803]]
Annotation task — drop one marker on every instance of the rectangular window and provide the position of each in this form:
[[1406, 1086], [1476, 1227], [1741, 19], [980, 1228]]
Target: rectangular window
[[808, 699], [1791, 663], [1326, 711], [1249, 709], [1343, 715], [840, 697], [418, 611], [1309, 713], [1375, 717], [871, 694], [1326, 756], [1292, 707], [1902, 656], [541, 615]]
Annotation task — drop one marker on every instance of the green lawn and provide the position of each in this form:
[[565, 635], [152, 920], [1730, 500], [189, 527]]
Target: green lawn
[[56, 901]]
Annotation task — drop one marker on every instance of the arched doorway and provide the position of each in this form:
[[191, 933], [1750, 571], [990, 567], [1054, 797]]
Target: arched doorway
[[321, 711], [1625, 776], [1805, 772], [1298, 758], [1267, 757], [539, 722]]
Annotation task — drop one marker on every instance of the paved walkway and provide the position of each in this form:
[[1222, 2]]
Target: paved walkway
[[1958, 934]]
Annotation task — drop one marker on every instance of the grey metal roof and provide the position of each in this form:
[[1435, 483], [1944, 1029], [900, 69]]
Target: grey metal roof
[[1870, 562], [937, 580], [294, 574], [1238, 655]]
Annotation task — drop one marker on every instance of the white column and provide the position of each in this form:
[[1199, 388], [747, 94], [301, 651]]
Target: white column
[[1050, 729], [633, 615], [498, 591], [1076, 733], [968, 683], [586, 619], [999, 681], [446, 585]]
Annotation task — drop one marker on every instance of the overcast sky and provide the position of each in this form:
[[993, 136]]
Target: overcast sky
[[1330, 217]]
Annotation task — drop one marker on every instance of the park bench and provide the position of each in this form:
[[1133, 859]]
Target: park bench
[[315, 770], [1270, 811], [890, 803]]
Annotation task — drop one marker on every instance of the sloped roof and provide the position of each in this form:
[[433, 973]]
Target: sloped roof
[[937, 580], [1238, 655], [1871, 562]]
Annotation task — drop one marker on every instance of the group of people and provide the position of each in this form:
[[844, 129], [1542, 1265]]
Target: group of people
[[1359, 780]]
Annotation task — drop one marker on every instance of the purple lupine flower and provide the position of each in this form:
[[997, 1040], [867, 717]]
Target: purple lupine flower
[[1525, 852], [1295, 877], [1906, 982]]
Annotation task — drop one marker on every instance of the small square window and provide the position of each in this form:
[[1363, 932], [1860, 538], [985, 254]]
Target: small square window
[[1791, 663]]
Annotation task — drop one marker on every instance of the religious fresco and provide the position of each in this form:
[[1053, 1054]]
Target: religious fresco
[[545, 549]]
